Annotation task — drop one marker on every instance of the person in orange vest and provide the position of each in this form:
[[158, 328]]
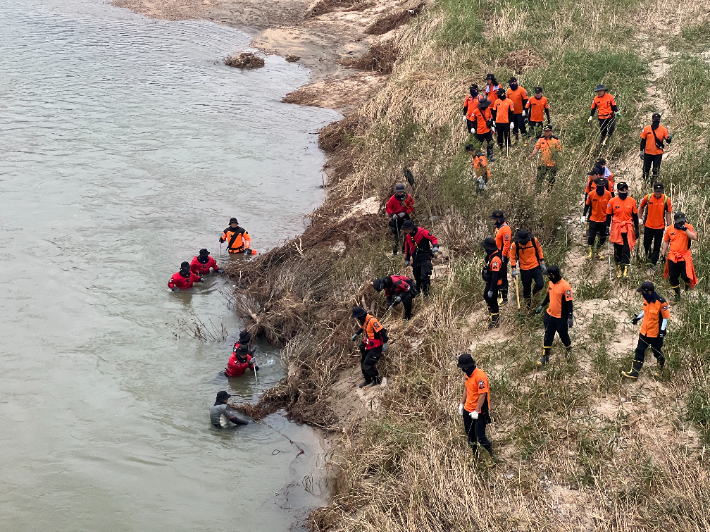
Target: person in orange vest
[[492, 87], [519, 96], [481, 172], [483, 121], [491, 275], [202, 263], [558, 318], [503, 236], [621, 213], [526, 254], [503, 118], [237, 238], [595, 205], [548, 145], [656, 212], [371, 347], [475, 408], [595, 174], [655, 316], [184, 279], [605, 105], [652, 139], [470, 103], [539, 108], [677, 256], [398, 208]]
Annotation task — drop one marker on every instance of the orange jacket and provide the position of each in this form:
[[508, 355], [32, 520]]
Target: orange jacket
[[517, 96], [654, 314], [504, 110], [678, 240], [656, 211], [480, 166], [481, 119], [545, 146], [557, 292], [526, 254], [503, 236], [477, 384], [621, 210], [598, 204], [618, 228], [537, 108], [604, 105], [661, 133], [471, 103], [237, 239]]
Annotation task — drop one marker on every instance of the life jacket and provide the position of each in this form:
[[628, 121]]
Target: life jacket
[[374, 337], [400, 285], [237, 239], [417, 244]]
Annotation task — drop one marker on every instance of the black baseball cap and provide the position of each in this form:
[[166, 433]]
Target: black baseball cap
[[646, 286], [222, 396], [658, 187]]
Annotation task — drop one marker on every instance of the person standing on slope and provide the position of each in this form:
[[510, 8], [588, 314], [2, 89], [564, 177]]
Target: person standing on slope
[[605, 105], [504, 237], [519, 96], [548, 146], [595, 204], [656, 212], [475, 408], [652, 147], [676, 253], [502, 116], [399, 207], [623, 220], [470, 103], [539, 108], [558, 317], [526, 255], [420, 246]]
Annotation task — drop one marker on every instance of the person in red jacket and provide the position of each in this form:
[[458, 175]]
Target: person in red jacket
[[420, 246], [242, 357], [184, 279], [398, 289], [202, 263], [399, 207]]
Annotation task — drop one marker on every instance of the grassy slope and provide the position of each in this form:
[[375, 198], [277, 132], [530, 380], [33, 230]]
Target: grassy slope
[[580, 449]]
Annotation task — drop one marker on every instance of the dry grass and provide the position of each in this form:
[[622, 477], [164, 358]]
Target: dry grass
[[393, 20], [379, 58], [244, 60]]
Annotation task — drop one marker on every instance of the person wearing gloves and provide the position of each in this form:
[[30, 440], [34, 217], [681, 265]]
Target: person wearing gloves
[[482, 124], [605, 105], [418, 253], [491, 275], [470, 103], [202, 263], [676, 248], [558, 317], [242, 357], [526, 255], [237, 238], [549, 146], [656, 211], [398, 289], [184, 279], [622, 217], [595, 204], [652, 139], [504, 237], [655, 316], [519, 97], [398, 208], [221, 414], [475, 408], [480, 172], [371, 347]]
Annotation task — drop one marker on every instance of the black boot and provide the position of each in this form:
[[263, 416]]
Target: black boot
[[377, 380], [494, 321], [633, 373], [660, 364], [365, 382], [568, 351], [527, 303], [545, 357], [504, 295], [676, 289]]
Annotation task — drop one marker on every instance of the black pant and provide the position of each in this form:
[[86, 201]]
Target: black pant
[[622, 252], [527, 277], [676, 271], [519, 125], [551, 173], [492, 302], [422, 271], [396, 228], [503, 276], [470, 126], [656, 345], [655, 237], [406, 303], [555, 325], [488, 139], [607, 126], [503, 134], [368, 361], [649, 160], [476, 431], [535, 129], [596, 228]]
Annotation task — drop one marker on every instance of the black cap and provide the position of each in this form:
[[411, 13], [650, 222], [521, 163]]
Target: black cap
[[679, 217], [600, 181], [222, 396], [466, 361], [513, 80], [548, 127], [407, 225], [358, 312], [622, 186], [469, 147], [204, 252], [656, 117], [378, 284], [523, 235], [646, 286], [489, 244], [553, 271], [233, 221], [484, 104], [597, 170], [501, 92], [497, 215], [244, 337], [658, 187], [399, 187], [601, 161], [185, 266], [473, 87], [538, 90], [490, 76], [600, 87]]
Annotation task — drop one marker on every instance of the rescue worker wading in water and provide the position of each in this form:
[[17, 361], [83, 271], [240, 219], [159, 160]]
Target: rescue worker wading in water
[[399, 207], [242, 357], [237, 238], [221, 414], [676, 248], [655, 316], [202, 264], [398, 289], [371, 347], [558, 317], [504, 237], [420, 246], [184, 279], [475, 408], [491, 275], [623, 219], [526, 254]]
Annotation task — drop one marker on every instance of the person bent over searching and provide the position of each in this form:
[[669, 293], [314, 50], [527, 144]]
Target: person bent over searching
[[398, 289], [474, 408], [221, 414], [655, 316], [420, 246], [371, 347], [558, 317]]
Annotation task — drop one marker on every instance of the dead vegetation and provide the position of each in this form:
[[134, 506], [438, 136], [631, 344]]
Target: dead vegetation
[[521, 60], [393, 20], [321, 7], [244, 60], [379, 58]]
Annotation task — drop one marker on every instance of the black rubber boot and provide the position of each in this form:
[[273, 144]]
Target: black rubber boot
[[545, 356], [568, 352], [676, 289], [633, 373], [364, 383], [376, 381], [504, 294], [494, 321]]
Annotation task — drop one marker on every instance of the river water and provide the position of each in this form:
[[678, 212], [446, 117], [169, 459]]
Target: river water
[[126, 146]]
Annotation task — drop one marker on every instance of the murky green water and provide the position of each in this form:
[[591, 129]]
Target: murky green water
[[125, 148]]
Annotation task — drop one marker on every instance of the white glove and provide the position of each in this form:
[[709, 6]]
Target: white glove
[[582, 219], [512, 125], [589, 119], [524, 114], [401, 214], [474, 415], [464, 118], [394, 216], [460, 409], [473, 130]]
